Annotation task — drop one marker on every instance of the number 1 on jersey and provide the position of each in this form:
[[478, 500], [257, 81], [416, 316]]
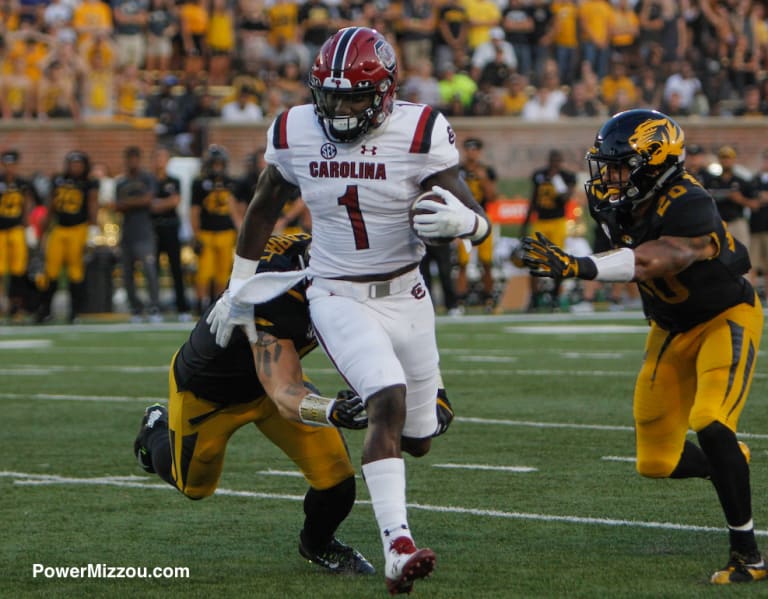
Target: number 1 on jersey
[[350, 200]]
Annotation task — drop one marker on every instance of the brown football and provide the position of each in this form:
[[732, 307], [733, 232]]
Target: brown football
[[427, 195]]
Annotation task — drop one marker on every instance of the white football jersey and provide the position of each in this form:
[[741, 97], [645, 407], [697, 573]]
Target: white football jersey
[[359, 193]]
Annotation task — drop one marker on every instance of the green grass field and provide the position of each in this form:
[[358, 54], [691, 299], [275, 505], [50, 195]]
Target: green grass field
[[532, 493]]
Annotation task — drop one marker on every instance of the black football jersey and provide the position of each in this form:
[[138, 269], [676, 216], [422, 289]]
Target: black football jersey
[[227, 375], [69, 199], [704, 289]]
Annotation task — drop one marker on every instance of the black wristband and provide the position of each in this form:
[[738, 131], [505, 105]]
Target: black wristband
[[587, 268]]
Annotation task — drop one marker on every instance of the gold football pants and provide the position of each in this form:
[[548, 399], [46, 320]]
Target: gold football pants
[[691, 380], [66, 247], [215, 260], [554, 229], [13, 252], [484, 252], [199, 431]]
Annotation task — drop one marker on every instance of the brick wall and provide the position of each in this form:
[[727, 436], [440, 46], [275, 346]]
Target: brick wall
[[514, 147]]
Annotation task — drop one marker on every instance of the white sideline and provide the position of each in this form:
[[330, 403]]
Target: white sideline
[[31, 479]]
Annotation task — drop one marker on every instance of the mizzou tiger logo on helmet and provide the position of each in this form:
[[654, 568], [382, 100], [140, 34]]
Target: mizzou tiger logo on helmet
[[658, 139]]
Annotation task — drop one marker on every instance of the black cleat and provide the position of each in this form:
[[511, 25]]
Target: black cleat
[[154, 414], [338, 558]]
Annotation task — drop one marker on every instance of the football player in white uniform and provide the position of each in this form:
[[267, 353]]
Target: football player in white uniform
[[360, 159]]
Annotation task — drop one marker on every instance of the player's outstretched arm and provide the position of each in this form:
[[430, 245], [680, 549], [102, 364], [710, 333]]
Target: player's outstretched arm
[[278, 367], [653, 259], [670, 255]]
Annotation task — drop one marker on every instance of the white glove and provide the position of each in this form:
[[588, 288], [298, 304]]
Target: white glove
[[230, 312], [93, 232], [452, 219], [30, 235], [226, 315]]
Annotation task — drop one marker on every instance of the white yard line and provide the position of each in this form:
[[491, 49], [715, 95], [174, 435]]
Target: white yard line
[[487, 467], [30, 479]]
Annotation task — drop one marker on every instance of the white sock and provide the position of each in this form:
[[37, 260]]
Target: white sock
[[386, 484]]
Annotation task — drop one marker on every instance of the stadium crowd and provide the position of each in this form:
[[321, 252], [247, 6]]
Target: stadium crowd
[[175, 61]]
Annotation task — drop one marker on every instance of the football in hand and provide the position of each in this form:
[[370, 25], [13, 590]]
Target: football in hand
[[415, 209]]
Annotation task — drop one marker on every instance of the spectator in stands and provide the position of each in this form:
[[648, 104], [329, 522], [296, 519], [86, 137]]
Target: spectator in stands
[[496, 51], [752, 104], [451, 32], [617, 80], [420, 84], [253, 32], [98, 98], [744, 65], [565, 40], [594, 16], [291, 84], [134, 191], [513, 97], [57, 17], [649, 88], [673, 105], [92, 17], [57, 94], [456, 90], [220, 41], [129, 91], [483, 15], [546, 102], [685, 82], [244, 109], [318, 20], [578, 104], [540, 39], [162, 27], [17, 91], [164, 105], [732, 193], [193, 25], [623, 31], [415, 31], [517, 23], [130, 21]]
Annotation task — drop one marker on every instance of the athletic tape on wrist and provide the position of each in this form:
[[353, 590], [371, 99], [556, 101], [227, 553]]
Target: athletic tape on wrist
[[313, 409]]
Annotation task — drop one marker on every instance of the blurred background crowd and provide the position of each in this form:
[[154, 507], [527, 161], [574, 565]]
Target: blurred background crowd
[[246, 60], [173, 64]]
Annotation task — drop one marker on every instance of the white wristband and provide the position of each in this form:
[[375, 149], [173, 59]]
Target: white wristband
[[242, 270], [480, 228], [617, 266]]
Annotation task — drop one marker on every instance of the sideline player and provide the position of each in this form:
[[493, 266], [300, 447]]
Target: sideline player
[[664, 232], [360, 159], [74, 205]]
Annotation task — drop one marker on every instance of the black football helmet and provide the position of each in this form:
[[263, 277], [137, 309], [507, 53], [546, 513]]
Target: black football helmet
[[215, 155], [635, 153], [354, 64], [77, 156]]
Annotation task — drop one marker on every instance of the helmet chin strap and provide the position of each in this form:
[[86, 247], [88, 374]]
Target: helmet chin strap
[[636, 204]]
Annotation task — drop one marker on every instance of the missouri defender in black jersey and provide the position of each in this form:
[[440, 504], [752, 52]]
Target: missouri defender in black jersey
[[215, 390], [663, 231]]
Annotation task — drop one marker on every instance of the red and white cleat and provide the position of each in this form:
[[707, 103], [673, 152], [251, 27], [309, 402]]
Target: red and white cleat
[[406, 564]]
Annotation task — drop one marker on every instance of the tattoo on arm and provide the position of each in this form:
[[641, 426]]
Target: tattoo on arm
[[268, 352]]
